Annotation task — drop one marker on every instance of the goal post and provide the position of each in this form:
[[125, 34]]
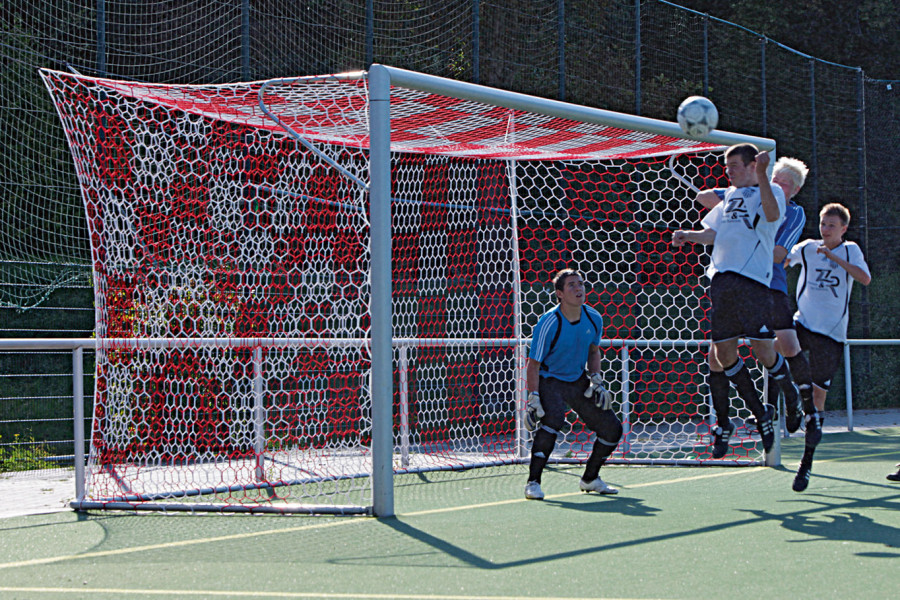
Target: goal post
[[306, 286]]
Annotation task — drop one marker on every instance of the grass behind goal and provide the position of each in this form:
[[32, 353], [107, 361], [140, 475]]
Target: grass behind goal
[[671, 533]]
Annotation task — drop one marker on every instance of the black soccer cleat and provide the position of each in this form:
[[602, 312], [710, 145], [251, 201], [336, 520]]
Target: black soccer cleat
[[720, 441], [794, 409], [801, 480], [766, 427], [895, 476]]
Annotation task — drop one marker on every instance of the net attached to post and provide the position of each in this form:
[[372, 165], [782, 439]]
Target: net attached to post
[[230, 247]]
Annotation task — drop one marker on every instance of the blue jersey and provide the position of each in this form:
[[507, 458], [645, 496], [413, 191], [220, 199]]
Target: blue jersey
[[562, 347], [787, 237]]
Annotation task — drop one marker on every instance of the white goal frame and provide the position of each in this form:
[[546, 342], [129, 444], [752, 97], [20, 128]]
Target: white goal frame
[[383, 340]]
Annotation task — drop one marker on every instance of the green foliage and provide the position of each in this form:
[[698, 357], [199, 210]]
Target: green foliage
[[23, 455]]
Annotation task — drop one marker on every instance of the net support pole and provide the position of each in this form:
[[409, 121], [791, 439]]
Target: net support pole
[[381, 317]]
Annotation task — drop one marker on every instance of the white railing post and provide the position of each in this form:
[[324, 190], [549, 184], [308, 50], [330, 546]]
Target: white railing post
[[78, 416], [848, 387], [403, 365], [259, 417], [626, 396]]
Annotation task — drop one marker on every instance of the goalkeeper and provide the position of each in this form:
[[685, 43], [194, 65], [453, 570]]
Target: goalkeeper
[[564, 340]]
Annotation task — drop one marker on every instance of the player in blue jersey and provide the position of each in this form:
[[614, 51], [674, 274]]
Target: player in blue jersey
[[564, 340], [790, 175], [828, 268], [742, 231]]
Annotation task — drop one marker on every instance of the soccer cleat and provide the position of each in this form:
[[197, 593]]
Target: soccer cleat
[[720, 441], [801, 480], [533, 491], [895, 476], [794, 409], [766, 428], [598, 486], [813, 430]]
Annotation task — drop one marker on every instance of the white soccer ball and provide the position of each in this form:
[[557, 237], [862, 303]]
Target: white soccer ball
[[697, 116]]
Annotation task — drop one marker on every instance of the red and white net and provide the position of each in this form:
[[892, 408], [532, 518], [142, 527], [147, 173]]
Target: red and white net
[[231, 271]]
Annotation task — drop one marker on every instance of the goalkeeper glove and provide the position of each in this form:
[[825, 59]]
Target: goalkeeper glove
[[533, 411], [602, 397]]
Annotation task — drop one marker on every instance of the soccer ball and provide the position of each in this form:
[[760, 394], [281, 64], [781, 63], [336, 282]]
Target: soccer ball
[[697, 116]]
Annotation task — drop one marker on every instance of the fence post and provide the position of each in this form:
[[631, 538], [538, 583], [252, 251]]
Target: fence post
[[637, 57], [706, 55], [245, 40], [814, 157], [762, 84], [101, 37], [561, 45], [78, 416], [848, 387], [370, 32], [476, 41]]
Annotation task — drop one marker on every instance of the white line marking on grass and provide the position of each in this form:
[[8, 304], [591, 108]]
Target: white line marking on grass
[[259, 594]]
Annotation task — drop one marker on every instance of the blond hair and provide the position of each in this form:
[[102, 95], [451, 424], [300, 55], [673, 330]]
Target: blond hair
[[795, 168], [835, 210]]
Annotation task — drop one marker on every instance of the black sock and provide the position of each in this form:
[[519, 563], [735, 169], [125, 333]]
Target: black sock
[[782, 373], [541, 448], [598, 456], [719, 389], [739, 375]]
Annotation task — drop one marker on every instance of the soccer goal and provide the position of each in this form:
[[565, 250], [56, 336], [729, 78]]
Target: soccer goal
[[305, 286]]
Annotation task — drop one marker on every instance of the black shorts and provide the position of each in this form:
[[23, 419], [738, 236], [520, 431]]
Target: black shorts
[[740, 307], [782, 314], [558, 396], [825, 355]]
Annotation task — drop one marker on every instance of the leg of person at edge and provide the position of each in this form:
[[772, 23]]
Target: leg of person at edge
[[741, 226], [564, 340], [828, 268]]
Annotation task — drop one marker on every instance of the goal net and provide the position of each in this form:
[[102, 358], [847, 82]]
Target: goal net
[[232, 236]]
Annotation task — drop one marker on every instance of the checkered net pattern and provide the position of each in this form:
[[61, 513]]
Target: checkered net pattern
[[231, 272]]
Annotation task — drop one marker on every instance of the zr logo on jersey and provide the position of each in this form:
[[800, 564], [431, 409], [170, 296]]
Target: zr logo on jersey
[[735, 210], [824, 279]]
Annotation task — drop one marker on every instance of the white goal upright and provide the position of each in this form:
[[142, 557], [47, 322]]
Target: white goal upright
[[306, 286]]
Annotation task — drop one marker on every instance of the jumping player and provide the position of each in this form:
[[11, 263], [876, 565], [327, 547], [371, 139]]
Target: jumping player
[[742, 230], [828, 268], [564, 340], [790, 175]]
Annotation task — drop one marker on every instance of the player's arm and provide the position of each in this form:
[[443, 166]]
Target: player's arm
[[593, 359], [855, 271], [779, 254], [767, 196], [532, 375], [708, 198], [696, 236]]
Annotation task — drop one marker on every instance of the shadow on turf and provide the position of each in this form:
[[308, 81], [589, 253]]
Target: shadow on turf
[[843, 524], [623, 505]]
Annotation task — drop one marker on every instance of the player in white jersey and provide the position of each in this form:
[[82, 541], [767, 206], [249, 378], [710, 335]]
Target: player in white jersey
[[828, 268], [789, 174], [742, 230]]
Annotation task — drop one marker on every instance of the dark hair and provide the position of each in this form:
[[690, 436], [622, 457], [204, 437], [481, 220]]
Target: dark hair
[[559, 280], [747, 152]]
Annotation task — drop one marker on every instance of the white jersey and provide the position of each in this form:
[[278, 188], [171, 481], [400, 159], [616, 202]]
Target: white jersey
[[823, 290], [745, 240]]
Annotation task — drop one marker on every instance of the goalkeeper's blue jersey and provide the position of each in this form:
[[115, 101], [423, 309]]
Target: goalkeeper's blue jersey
[[562, 347]]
